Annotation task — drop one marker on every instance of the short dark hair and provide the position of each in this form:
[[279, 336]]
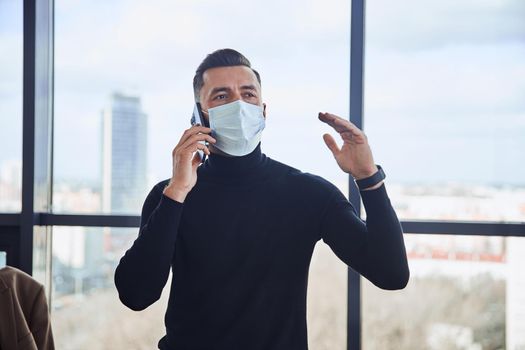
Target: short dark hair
[[220, 58]]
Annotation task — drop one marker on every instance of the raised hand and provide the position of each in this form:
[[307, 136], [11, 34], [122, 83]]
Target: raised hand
[[355, 156], [186, 159]]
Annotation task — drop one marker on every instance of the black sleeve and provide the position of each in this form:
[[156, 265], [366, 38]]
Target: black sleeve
[[143, 271], [374, 248]]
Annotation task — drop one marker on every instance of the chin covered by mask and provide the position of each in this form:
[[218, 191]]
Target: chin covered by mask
[[237, 126]]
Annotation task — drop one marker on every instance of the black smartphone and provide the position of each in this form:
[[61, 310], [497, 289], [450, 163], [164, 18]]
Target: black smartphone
[[197, 118]]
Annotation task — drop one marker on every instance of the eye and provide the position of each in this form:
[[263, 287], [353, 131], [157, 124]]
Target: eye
[[220, 97], [249, 94]]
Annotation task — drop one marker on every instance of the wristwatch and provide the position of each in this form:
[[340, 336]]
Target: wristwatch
[[371, 180]]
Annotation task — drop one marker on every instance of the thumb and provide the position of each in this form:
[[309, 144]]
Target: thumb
[[330, 142]]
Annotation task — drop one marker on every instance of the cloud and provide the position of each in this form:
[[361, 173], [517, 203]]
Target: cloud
[[10, 80], [134, 43], [428, 65], [459, 82], [10, 18], [155, 49], [417, 25]]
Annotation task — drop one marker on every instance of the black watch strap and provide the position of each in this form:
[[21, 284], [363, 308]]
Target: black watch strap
[[371, 180]]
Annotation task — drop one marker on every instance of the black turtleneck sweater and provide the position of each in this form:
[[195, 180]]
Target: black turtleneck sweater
[[240, 246]]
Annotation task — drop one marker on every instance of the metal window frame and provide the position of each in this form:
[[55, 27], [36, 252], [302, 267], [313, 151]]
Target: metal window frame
[[457, 228], [25, 247], [357, 38], [16, 229]]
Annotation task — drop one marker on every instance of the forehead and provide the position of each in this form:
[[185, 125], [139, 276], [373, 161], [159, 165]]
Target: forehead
[[229, 76]]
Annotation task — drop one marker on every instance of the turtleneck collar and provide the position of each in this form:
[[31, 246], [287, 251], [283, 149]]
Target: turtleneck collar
[[234, 169]]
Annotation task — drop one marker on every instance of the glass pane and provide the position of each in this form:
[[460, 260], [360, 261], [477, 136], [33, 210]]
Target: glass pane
[[444, 106], [42, 256], [139, 82], [11, 60], [86, 310], [43, 106], [327, 296], [3, 259], [465, 292]]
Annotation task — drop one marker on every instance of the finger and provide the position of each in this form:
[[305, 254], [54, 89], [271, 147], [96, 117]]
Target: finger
[[200, 128], [329, 118], [353, 134], [347, 136], [339, 124], [348, 126], [334, 121], [349, 131], [194, 147], [186, 153], [332, 145], [195, 129], [325, 118], [196, 138]]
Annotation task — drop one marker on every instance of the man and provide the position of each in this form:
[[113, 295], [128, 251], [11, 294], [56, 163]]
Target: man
[[238, 230]]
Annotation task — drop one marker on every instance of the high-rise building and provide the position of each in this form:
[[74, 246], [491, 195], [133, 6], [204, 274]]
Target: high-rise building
[[124, 154]]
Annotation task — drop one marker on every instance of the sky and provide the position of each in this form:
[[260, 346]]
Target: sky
[[444, 81]]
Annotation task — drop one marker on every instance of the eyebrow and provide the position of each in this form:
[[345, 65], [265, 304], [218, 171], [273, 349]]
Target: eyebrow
[[227, 89], [219, 89], [248, 87]]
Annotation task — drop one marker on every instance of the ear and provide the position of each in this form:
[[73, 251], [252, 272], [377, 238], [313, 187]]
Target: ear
[[264, 110]]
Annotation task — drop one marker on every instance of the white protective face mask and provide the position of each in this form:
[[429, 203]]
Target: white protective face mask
[[237, 126]]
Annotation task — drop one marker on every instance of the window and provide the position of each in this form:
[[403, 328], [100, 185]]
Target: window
[[84, 261], [445, 84], [432, 89], [123, 97], [10, 105], [466, 292], [139, 83], [3, 259], [127, 81]]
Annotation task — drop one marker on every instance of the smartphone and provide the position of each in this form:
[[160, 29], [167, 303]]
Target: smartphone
[[197, 118]]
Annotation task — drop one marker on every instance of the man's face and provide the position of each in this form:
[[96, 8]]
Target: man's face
[[223, 85]]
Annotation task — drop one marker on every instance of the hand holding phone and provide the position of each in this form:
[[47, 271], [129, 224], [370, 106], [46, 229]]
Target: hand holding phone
[[186, 161]]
